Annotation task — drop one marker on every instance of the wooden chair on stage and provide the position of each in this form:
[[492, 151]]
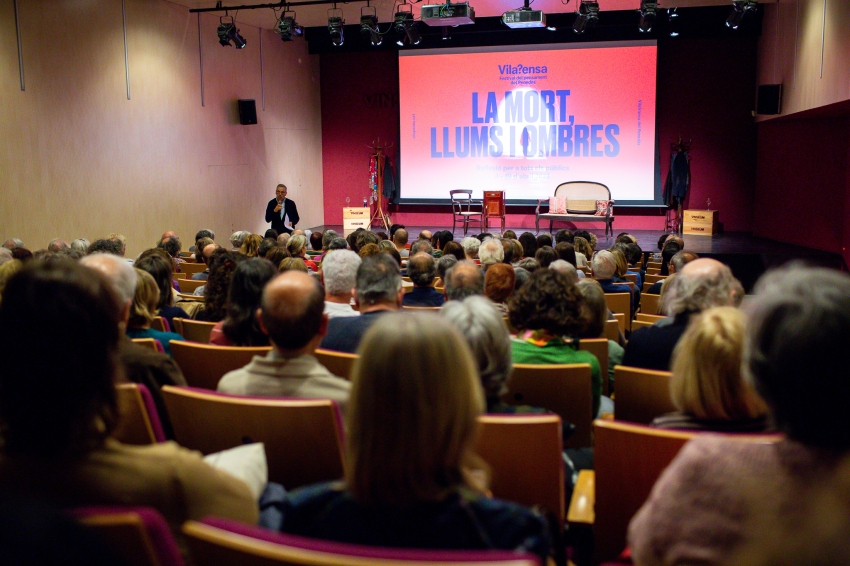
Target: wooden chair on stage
[[494, 207], [462, 204]]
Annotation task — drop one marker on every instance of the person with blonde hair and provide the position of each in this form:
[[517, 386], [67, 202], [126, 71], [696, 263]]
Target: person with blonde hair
[[251, 245], [297, 247], [411, 477], [707, 387], [144, 309], [584, 252]]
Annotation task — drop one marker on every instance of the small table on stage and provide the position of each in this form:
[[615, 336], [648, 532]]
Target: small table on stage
[[494, 207]]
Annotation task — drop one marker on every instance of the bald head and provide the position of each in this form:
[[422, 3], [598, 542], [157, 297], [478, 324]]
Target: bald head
[[120, 273], [464, 280], [167, 234], [682, 258], [702, 284], [292, 312], [425, 235], [208, 251]]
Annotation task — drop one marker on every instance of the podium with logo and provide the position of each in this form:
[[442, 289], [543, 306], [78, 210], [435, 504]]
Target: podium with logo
[[354, 217]]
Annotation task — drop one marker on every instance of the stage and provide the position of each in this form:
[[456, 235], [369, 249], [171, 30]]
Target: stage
[[748, 256]]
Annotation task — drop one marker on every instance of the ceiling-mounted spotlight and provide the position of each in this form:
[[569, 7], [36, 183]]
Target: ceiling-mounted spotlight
[[288, 28], [369, 24], [648, 9], [405, 27], [335, 24], [673, 19], [586, 16], [227, 32], [740, 9]]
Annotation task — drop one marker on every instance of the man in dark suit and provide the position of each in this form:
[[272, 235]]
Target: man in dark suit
[[377, 291], [281, 212], [702, 284]]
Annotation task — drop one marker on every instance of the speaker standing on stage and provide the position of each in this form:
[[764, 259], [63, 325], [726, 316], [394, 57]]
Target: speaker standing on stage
[[281, 212]]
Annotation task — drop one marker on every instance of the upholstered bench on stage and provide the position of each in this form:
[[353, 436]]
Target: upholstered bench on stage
[[583, 203]]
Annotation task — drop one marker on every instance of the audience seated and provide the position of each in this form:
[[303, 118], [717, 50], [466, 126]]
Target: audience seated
[[706, 504], [603, 268], [545, 255], [251, 245], [222, 265], [339, 275], [143, 311], [455, 249], [241, 327], [62, 454], [677, 262], [490, 253], [702, 284], [160, 270], [707, 387], [291, 316], [595, 314], [584, 252], [546, 311], [443, 265], [499, 284], [297, 248], [463, 280], [422, 270], [411, 477], [377, 291], [470, 247], [400, 238], [529, 244]]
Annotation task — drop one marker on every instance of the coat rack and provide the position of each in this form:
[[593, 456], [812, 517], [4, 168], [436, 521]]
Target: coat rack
[[377, 163], [677, 186]]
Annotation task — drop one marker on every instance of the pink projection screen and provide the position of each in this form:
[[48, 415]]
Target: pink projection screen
[[524, 119]]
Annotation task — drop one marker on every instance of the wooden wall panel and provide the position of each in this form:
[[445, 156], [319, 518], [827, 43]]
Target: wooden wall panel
[[80, 160], [805, 46]]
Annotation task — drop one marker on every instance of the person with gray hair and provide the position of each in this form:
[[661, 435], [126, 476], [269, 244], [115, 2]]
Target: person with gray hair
[[603, 266], [567, 269], [57, 245], [702, 284], [470, 247], [719, 494], [327, 237], [481, 324], [80, 244], [141, 364], [377, 291], [677, 262], [421, 246], [422, 270], [491, 252], [13, 243], [463, 280], [339, 275], [237, 239], [444, 264]]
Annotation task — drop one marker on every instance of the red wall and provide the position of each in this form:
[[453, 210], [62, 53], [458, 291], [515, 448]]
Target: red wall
[[705, 93], [803, 188]]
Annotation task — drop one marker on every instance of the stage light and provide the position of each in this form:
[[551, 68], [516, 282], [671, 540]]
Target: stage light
[[227, 32], [673, 18], [647, 11], [335, 25], [288, 28], [405, 27], [369, 25], [586, 16], [740, 9]]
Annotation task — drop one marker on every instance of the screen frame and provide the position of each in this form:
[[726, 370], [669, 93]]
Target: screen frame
[[656, 202]]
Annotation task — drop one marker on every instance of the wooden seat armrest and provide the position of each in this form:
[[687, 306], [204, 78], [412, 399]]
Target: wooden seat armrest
[[584, 499]]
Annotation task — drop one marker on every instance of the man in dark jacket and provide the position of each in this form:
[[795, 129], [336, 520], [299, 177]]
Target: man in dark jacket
[[281, 212]]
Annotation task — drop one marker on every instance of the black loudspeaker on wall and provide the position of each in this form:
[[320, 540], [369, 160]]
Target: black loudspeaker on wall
[[769, 99], [248, 111]]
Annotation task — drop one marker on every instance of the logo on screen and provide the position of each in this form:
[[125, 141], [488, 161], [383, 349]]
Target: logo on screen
[[521, 69]]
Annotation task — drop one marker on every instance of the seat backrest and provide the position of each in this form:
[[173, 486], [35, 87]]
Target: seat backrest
[[147, 343], [192, 268], [599, 348], [612, 329], [194, 330], [582, 195], [303, 437], [159, 323], [628, 459], [420, 309], [203, 365], [638, 324], [654, 278], [139, 422], [642, 394], [189, 285], [632, 277], [525, 456], [338, 363], [649, 303], [620, 303], [138, 535], [220, 542], [564, 389]]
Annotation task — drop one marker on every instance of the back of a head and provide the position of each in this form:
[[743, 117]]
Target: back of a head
[[548, 302], [421, 269], [237, 238], [400, 237], [420, 246], [145, 300], [105, 246], [316, 241], [327, 237], [444, 264], [545, 256], [369, 250], [339, 271], [244, 295], [567, 252], [464, 280], [80, 244], [621, 261], [499, 282], [338, 243], [378, 280], [487, 337], [366, 237], [564, 236], [120, 273], [200, 245], [491, 252], [594, 307], [160, 269], [57, 397], [411, 425], [508, 248], [292, 307], [171, 245], [702, 284], [265, 246], [444, 237], [604, 265], [797, 343], [296, 245], [455, 249], [567, 269], [544, 240], [633, 253], [706, 366], [204, 233], [470, 246], [583, 247], [682, 258], [529, 244]]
